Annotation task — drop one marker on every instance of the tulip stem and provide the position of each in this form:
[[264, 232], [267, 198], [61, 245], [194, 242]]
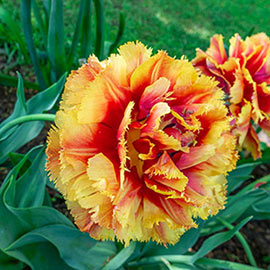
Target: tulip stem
[[242, 240], [27, 118]]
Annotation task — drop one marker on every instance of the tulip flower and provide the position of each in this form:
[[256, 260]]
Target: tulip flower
[[244, 74], [141, 146]]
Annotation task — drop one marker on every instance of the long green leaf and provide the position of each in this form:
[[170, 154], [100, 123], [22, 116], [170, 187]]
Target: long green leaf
[[185, 259], [27, 28], [240, 174], [99, 47], [217, 239], [21, 220], [77, 249], [78, 30], [243, 242], [20, 92], [119, 34], [14, 31], [47, 8], [40, 21], [116, 262], [220, 264], [39, 255], [32, 182], [56, 39], [7, 80], [86, 30]]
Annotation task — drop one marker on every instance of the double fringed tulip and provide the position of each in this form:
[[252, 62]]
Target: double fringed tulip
[[243, 74], [141, 146]]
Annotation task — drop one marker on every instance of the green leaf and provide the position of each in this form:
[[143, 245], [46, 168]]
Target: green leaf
[[21, 221], [56, 39], [9, 263], [217, 239], [22, 134], [38, 235], [20, 92], [20, 108], [27, 28], [119, 34], [7, 80], [15, 159], [40, 21], [77, 249], [263, 206], [178, 266], [121, 257], [240, 174], [40, 256], [32, 182], [220, 264], [86, 30], [14, 31], [47, 8], [79, 28], [99, 47]]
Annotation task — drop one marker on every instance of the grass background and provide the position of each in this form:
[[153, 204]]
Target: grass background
[[177, 26], [180, 26]]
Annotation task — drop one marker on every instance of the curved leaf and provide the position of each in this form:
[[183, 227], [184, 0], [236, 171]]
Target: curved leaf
[[22, 134]]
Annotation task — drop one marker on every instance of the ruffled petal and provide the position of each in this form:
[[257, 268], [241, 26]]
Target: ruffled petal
[[217, 50], [252, 143], [153, 94]]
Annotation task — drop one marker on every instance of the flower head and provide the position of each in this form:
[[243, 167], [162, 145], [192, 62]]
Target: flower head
[[244, 75], [141, 146]]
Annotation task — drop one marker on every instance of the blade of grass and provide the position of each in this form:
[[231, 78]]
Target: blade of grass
[[55, 45], [27, 28], [99, 46], [119, 34], [86, 30], [242, 240], [13, 81]]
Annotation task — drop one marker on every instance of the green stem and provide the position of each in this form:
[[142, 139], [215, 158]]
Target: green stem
[[27, 118], [242, 240]]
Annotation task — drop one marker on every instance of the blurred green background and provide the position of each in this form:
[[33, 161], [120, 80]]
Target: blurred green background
[[177, 26]]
